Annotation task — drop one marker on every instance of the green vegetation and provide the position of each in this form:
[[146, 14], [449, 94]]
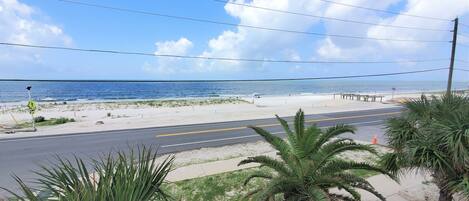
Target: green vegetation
[[433, 136], [125, 177], [225, 186], [189, 102], [109, 105], [41, 121], [309, 164]]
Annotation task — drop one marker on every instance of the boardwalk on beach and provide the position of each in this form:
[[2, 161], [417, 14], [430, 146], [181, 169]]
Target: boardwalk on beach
[[360, 97]]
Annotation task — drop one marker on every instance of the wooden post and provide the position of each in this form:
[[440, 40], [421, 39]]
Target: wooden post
[[453, 52]]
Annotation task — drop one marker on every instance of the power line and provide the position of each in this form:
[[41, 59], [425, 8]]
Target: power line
[[386, 11], [247, 26], [214, 58], [330, 18], [244, 80]]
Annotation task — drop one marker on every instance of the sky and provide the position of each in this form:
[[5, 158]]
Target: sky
[[57, 23]]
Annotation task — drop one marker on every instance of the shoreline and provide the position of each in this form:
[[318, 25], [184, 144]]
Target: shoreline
[[217, 96]]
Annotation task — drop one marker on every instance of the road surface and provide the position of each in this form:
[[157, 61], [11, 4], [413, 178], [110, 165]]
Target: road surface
[[21, 155]]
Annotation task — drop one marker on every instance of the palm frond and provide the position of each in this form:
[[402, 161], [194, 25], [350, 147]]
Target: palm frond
[[309, 164], [258, 174], [338, 146], [369, 189], [123, 177], [273, 140], [337, 166], [28, 192], [333, 132], [299, 123], [267, 162], [278, 185]]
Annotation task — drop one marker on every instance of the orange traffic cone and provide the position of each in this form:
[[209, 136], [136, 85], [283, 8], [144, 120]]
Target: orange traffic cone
[[374, 140]]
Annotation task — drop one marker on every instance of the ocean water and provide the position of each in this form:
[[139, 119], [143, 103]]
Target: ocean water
[[13, 91]]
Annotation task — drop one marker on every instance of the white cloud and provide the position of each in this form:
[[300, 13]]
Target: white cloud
[[242, 42], [180, 46], [168, 65], [329, 50], [21, 23], [382, 48], [439, 8], [254, 43]]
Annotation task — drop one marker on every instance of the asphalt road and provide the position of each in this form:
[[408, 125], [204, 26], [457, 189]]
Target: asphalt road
[[21, 155]]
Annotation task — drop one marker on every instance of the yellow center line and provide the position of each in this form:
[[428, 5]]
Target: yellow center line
[[270, 125]]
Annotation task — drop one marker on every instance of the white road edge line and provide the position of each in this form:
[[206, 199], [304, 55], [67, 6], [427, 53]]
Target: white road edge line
[[248, 136]]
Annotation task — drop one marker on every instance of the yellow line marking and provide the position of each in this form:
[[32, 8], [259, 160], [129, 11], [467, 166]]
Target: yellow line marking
[[270, 125], [202, 131]]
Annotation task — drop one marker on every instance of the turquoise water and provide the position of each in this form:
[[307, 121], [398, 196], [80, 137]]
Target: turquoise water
[[11, 91]]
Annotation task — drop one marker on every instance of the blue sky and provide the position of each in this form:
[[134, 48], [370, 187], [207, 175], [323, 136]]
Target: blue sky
[[57, 23]]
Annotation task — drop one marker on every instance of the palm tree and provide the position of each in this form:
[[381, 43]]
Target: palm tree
[[309, 164], [124, 177], [432, 136]]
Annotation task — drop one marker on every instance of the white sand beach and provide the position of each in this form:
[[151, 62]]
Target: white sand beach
[[101, 116]]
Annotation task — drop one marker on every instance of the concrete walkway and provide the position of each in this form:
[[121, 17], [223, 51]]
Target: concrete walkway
[[413, 187], [210, 168]]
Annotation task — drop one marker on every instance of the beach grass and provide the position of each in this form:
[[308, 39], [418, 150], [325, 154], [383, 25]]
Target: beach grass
[[226, 186], [109, 105], [187, 102], [46, 122]]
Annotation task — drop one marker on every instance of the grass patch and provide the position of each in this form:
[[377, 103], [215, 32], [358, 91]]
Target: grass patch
[[221, 187], [226, 186], [189, 102], [47, 122]]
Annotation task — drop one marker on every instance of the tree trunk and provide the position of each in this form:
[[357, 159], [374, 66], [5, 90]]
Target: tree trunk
[[445, 195], [440, 180]]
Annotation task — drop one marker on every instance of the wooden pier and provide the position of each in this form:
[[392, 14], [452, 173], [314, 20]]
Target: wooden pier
[[360, 97]]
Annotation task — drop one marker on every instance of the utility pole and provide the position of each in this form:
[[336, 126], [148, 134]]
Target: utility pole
[[453, 52]]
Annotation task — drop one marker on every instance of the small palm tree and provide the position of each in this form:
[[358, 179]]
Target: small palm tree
[[433, 136], [309, 164], [124, 177]]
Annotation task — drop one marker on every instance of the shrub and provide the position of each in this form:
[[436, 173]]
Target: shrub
[[309, 164], [63, 120], [432, 136], [122, 177], [39, 119]]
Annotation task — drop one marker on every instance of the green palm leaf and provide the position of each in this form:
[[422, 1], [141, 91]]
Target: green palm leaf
[[121, 177], [309, 164], [432, 136]]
